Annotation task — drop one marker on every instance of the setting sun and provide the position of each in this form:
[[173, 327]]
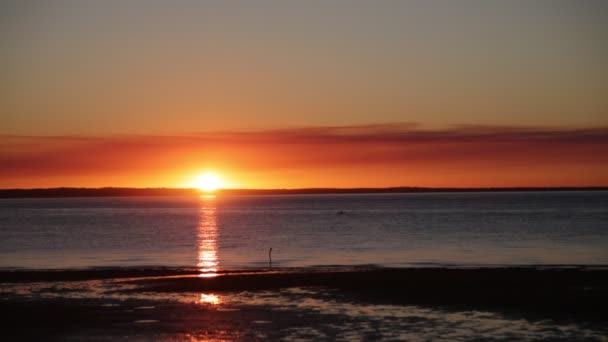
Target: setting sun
[[208, 182]]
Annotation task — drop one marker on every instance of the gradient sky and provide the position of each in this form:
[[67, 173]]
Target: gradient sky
[[149, 93]]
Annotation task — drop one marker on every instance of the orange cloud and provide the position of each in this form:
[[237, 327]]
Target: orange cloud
[[351, 156]]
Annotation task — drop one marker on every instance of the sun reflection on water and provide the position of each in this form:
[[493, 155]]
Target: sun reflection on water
[[209, 299], [207, 234]]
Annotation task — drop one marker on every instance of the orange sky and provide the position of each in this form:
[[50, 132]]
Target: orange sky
[[356, 156], [290, 94]]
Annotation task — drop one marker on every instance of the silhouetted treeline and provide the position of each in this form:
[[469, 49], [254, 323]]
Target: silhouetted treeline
[[120, 192]]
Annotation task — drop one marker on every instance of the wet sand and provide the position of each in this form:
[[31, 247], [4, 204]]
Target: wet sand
[[165, 304], [136, 320], [553, 290]]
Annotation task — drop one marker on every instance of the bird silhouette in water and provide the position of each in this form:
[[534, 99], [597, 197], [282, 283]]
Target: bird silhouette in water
[[270, 257]]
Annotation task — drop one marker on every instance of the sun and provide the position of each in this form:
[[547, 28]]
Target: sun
[[208, 182]]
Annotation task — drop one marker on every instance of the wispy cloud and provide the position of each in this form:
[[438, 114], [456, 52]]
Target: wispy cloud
[[482, 149]]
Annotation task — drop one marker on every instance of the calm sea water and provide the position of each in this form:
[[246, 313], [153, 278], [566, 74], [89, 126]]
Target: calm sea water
[[515, 228]]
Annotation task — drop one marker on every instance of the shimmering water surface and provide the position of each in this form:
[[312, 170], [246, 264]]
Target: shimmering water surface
[[215, 232]]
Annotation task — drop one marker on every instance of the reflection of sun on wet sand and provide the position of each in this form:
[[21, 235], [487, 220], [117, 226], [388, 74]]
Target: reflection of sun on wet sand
[[209, 299]]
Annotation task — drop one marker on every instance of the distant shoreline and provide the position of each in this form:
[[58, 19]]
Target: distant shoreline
[[126, 192]]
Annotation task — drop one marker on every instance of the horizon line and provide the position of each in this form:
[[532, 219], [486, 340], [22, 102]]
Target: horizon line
[[166, 191]]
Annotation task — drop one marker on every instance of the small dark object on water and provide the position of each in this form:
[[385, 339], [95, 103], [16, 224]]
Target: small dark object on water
[[341, 212], [270, 257]]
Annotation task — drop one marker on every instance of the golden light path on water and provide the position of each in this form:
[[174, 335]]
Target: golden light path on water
[[207, 235], [209, 299]]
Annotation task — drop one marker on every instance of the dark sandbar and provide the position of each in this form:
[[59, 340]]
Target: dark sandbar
[[581, 290], [574, 294]]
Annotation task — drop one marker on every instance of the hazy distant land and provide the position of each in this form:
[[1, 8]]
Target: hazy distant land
[[111, 191]]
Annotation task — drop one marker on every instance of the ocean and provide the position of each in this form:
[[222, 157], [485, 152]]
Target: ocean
[[214, 233]]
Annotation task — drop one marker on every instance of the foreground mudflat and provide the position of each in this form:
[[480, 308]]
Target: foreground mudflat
[[415, 304]]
